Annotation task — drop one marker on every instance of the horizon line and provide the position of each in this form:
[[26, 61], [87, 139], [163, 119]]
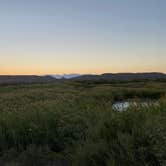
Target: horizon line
[[80, 73]]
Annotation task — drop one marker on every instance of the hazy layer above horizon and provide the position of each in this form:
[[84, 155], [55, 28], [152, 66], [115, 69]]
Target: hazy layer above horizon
[[82, 36]]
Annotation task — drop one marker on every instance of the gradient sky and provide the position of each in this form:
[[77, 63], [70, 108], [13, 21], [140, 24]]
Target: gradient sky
[[82, 36]]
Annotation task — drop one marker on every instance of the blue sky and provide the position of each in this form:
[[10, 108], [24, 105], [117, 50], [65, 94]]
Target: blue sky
[[82, 36]]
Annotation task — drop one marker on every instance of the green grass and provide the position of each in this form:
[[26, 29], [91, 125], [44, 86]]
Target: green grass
[[72, 123]]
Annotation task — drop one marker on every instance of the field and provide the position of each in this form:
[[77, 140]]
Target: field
[[72, 124]]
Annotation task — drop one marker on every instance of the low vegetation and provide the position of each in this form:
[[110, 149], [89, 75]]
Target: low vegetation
[[73, 124]]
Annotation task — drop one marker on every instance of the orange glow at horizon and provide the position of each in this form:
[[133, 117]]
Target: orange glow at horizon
[[47, 37], [43, 71]]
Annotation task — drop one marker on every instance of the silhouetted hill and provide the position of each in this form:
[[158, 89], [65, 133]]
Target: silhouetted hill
[[8, 79], [122, 77]]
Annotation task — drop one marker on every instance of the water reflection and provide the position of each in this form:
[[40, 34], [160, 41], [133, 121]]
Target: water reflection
[[124, 105]]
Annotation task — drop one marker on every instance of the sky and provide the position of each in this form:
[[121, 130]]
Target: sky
[[82, 36]]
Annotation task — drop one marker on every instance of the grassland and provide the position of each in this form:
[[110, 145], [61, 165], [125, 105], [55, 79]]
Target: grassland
[[72, 123]]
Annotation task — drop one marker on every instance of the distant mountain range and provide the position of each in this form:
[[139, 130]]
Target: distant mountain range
[[112, 76], [123, 76], [65, 76], [8, 79]]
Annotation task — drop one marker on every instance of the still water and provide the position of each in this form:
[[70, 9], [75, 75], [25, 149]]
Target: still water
[[124, 105]]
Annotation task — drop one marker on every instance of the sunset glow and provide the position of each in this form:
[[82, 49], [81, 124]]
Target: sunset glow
[[55, 37]]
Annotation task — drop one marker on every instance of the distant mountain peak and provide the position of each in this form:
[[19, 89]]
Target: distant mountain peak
[[65, 76]]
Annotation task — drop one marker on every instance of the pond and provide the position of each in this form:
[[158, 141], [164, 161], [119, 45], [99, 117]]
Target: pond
[[124, 105]]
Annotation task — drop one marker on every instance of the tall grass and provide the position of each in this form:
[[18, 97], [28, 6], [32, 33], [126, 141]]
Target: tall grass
[[69, 124], [132, 138]]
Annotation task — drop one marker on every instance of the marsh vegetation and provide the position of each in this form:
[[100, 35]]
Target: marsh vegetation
[[73, 123]]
